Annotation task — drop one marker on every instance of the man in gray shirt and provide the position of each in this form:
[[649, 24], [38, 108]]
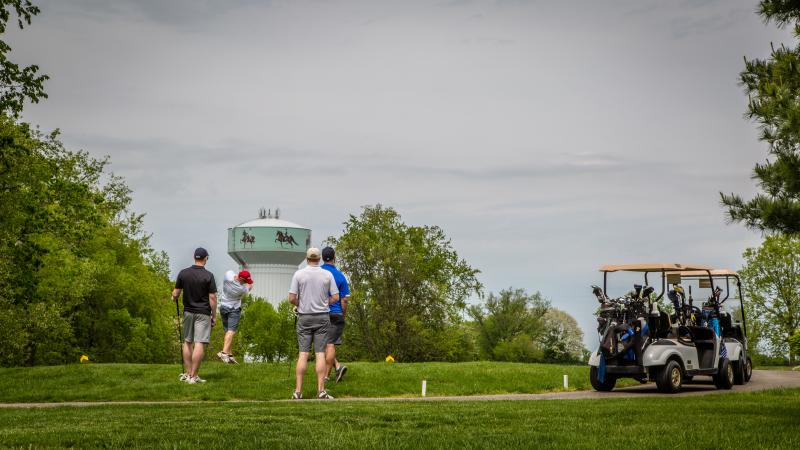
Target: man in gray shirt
[[234, 287], [312, 291]]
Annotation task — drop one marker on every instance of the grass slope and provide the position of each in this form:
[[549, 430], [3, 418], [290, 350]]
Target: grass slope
[[736, 420], [95, 382]]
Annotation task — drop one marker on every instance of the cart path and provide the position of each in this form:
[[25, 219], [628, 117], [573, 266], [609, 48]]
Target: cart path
[[762, 380]]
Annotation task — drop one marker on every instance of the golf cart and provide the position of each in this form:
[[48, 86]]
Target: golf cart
[[646, 339]]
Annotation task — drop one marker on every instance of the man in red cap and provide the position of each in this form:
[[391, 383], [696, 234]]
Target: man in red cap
[[230, 309]]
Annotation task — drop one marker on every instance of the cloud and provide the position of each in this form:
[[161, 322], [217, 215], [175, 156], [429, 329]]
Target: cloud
[[184, 14]]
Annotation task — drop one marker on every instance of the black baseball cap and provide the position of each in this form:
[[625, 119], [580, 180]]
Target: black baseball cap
[[200, 253], [328, 254]]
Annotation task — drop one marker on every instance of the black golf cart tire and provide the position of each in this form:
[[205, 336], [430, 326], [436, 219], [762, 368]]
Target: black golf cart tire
[[723, 379], [748, 370], [669, 378], [738, 371], [607, 384]]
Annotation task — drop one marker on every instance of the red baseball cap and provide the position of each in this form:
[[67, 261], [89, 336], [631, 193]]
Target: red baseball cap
[[245, 275]]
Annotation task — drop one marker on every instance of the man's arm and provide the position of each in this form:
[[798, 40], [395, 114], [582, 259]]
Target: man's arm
[[178, 287], [333, 289], [344, 305], [294, 288], [212, 300]]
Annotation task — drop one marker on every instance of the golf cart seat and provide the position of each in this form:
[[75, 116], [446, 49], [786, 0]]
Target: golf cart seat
[[704, 340], [662, 326], [703, 335], [729, 330]]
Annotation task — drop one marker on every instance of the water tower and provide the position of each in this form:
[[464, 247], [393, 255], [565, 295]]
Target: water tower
[[271, 249]]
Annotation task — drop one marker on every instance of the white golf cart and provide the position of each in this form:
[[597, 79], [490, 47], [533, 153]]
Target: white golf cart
[[643, 338]]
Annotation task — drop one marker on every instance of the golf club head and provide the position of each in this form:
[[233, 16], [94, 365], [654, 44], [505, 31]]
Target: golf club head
[[598, 292]]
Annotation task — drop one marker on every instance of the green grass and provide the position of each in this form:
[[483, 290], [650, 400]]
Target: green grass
[[97, 382], [736, 420]]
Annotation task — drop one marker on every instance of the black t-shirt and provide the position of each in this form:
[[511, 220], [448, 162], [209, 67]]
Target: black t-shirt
[[196, 283]]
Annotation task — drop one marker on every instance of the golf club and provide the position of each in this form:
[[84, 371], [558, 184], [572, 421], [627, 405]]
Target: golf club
[[180, 332], [289, 358]]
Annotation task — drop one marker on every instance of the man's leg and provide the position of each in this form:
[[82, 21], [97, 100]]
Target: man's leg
[[330, 357], [300, 370], [320, 368], [197, 356], [320, 346], [187, 357], [228, 340], [188, 338]]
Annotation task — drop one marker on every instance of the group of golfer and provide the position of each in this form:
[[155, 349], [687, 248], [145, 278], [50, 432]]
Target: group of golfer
[[319, 293]]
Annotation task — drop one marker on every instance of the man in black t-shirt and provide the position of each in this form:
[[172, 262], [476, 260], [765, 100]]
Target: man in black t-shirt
[[199, 312]]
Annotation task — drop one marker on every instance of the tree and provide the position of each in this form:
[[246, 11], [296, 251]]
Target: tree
[[77, 274], [510, 325], [408, 287], [794, 343], [562, 340], [771, 279], [265, 333], [773, 87], [18, 84]]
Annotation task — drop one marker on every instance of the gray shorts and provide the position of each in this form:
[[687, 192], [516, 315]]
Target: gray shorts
[[230, 317], [196, 327], [312, 326], [336, 329]]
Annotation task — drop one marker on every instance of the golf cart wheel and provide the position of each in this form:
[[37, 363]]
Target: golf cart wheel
[[607, 384], [670, 378], [724, 377], [738, 371], [748, 369]]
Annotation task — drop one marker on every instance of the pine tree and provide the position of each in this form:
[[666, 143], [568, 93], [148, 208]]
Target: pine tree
[[773, 88]]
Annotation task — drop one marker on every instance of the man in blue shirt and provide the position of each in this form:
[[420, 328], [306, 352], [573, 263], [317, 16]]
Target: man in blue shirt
[[337, 313]]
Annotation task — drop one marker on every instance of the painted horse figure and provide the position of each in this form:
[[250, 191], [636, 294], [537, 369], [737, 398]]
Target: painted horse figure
[[247, 239], [284, 237]]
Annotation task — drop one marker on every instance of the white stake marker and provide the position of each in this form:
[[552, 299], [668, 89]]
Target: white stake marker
[[566, 382], [424, 387]]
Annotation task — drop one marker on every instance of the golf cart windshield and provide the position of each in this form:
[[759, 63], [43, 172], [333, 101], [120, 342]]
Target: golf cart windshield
[[699, 284]]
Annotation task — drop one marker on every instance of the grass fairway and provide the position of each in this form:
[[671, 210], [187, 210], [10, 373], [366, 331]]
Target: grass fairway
[[96, 382], [766, 419]]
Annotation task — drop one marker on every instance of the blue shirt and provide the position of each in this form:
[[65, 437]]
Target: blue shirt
[[341, 283]]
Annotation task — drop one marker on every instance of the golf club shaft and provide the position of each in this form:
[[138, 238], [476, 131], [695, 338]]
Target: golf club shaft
[[180, 333]]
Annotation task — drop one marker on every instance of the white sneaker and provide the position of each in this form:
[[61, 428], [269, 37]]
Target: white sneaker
[[232, 360], [323, 395], [196, 380], [223, 357], [184, 377]]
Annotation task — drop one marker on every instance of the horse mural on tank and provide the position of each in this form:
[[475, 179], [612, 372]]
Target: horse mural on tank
[[283, 237], [247, 239]]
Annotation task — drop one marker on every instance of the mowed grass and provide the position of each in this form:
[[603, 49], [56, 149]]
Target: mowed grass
[[767, 419], [114, 382]]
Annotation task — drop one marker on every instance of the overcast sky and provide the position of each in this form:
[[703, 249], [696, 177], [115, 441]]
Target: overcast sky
[[545, 137]]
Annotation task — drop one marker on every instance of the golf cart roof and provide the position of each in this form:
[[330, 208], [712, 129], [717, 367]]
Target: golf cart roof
[[655, 267], [703, 273]]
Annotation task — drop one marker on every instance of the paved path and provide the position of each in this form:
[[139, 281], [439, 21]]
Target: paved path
[[762, 380]]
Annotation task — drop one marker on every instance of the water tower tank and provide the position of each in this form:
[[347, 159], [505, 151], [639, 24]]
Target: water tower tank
[[271, 249]]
